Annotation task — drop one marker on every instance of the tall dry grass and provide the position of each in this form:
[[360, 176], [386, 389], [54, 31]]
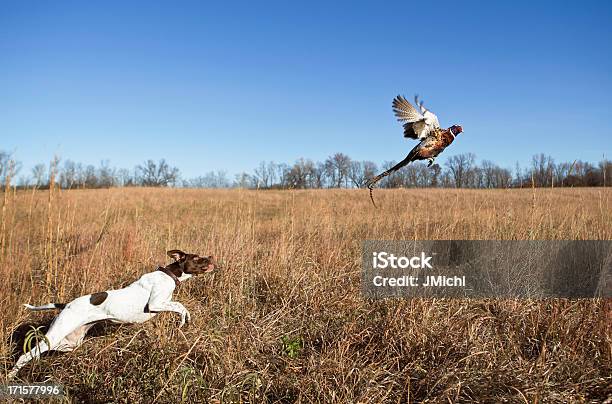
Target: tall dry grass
[[284, 320]]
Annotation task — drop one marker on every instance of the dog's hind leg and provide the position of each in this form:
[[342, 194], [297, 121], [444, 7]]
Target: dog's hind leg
[[43, 346], [67, 328]]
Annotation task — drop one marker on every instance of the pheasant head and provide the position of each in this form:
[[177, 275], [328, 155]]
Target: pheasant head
[[457, 129]]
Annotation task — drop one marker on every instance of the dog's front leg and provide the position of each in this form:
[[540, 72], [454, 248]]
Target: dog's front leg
[[160, 300], [175, 307], [182, 310]]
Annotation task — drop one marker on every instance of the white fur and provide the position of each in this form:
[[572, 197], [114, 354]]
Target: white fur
[[126, 305]]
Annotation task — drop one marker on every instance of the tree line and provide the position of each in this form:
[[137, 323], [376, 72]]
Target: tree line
[[337, 171], [459, 171]]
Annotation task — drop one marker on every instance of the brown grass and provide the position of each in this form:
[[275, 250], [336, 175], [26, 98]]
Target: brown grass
[[285, 320]]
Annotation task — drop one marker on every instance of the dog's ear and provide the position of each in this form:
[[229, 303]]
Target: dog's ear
[[176, 254]]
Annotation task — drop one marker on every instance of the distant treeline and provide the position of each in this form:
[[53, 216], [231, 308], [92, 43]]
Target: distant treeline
[[337, 171]]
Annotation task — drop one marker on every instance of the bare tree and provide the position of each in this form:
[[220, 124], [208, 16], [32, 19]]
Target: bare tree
[[503, 178], [263, 175], [106, 175], [446, 179], [244, 180], [460, 166], [68, 175], [282, 171], [310, 169], [337, 168], [39, 174], [518, 176], [395, 180], [8, 166], [488, 170], [211, 179], [561, 171], [361, 171], [157, 174], [90, 179], [124, 177], [300, 174], [435, 175], [5, 163], [542, 167], [318, 175], [475, 177], [418, 175]]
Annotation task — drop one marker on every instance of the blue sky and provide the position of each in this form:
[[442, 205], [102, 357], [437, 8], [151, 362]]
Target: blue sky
[[222, 86]]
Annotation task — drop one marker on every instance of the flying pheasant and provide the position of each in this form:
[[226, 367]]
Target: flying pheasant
[[421, 125]]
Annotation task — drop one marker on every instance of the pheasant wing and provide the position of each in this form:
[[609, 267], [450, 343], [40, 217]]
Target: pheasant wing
[[431, 120], [415, 125], [404, 111]]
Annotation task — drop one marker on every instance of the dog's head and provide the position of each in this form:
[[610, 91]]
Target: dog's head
[[192, 264]]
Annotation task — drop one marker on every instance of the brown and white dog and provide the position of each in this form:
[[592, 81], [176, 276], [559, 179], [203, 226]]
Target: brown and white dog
[[136, 303]]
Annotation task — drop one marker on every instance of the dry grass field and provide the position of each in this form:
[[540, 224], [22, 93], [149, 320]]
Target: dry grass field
[[284, 321]]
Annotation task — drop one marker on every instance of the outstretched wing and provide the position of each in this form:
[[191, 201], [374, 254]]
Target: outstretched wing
[[404, 111], [415, 123], [431, 120]]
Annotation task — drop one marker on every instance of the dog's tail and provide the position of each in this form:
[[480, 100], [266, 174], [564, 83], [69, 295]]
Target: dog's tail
[[49, 306]]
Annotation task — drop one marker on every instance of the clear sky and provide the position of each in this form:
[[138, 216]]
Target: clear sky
[[224, 85]]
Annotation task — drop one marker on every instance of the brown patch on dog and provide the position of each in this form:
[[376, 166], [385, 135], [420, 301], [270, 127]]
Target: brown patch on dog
[[98, 298]]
